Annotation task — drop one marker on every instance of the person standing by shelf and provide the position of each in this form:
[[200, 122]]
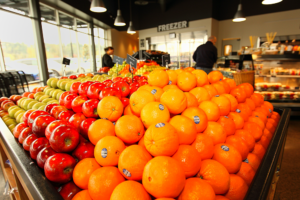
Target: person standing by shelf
[[106, 59], [206, 55]]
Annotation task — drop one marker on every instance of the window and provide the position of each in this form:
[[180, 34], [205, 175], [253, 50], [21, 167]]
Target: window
[[20, 6]]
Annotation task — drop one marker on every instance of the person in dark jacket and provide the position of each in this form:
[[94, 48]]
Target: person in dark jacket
[[106, 59], [206, 55]]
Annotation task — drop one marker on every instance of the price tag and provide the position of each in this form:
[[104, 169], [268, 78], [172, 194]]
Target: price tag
[[273, 76], [66, 61], [118, 60], [131, 61], [166, 59], [296, 88]]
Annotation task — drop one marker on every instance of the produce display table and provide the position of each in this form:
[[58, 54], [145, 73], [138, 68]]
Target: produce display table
[[31, 183]]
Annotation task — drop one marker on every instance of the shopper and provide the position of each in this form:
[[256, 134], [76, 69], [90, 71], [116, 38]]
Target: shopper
[[106, 59], [206, 55]]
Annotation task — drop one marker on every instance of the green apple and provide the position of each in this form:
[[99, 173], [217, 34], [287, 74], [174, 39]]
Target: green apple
[[54, 83], [47, 100], [58, 95], [53, 95], [12, 112], [37, 105], [12, 107], [53, 101], [31, 104], [21, 120], [44, 97], [20, 102], [59, 82], [10, 121], [18, 112], [25, 103], [49, 90], [42, 107], [38, 94], [63, 85], [49, 81], [45, 90], [6, 117], [12, 126], [68, 85]]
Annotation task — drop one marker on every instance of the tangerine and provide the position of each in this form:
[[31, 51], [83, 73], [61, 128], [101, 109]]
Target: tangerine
[[237, 119], [211, 110], [201, 94], [196, 188], [237, 188], [99, 129], [191, 100], [153, 113], [219, 87], [253, 160], [170, 87], [130, 190], [239, 144], [110, 108], [239, 94], [128, 111], [172, 77], [230, 82], [259, 150], [216, 132], [204, 144], [248, 88], [198, 116], [139, 99], [211, 90], [186, 81], [215, 76], [226, 86], [250, 103], [246, 137], [246, 172], [175, 100], [228, 125], [254, 130], [223, 103], [82, 195], [202, 78], [233, 102], [158, 78]]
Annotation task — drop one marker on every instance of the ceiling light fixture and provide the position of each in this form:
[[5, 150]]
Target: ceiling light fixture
[[239, 15], [269, 2], [98, 6], [119, 21], [131, 29]]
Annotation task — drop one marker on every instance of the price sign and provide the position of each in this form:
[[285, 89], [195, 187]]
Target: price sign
[[118, 60], [131, 61], [166, 59], [66, 61]]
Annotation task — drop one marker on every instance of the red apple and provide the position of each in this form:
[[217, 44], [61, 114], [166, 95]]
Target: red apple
[[3, 99], [38, 145], [76, 120], [83, 88], [31, 96], [81, 75], [26, 116], [84, 126], [49, 107], [56, 110], [74, 87], [40, 124], [68, 100], [7, 105], [64, 139], [43, 155], [27, 142], [109, 92], [63, 77], [24, 134], [125, 102], [123, 87], [62, 97], [73, 77], [53, 125], [17, 98], [25, 94], [59, 167], [94, 90], [68, 190], [12, 97], [34, 115], [89, 108], [18, 129], [65, 115], [83, 150], [108, 82], [77, 103]]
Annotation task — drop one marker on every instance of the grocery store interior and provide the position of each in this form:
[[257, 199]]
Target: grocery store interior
[[257, 42]]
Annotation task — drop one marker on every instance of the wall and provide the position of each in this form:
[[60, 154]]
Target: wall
[[284, 23], [124, 43]]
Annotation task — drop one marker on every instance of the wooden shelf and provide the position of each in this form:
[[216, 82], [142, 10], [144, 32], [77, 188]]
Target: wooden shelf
[[12, 181]]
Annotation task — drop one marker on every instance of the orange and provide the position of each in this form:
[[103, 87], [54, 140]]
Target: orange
[[201, 94], [215, 174], [186, 81], [267, 110], [172, 77], [246, 137], [239, 144], [83, 171], [170, 87], [244, 110], [216, 132], [164, 177], [142, 142], [259, 150], [145, 87], [239, 94], [103, 181], [231, 83], [179, 71], [110, 108], [237, 119], [264, 141], [223, 104], [165, 199], [108, 150], [246, 172], [130, 190], [82, 195], [175, 100], [268, 105], [268, 134], [189, 69], [204, 144], [228, 156], [260, 115], [155, 91], [158, 78], [128, 111], [211, 90], [198, 116], [139, 99], [132, 162], [161, 139], [215, 76], [220, 197], [248, 88], [99, 129], [219, 87], [129, 128], [228, 125], [211, 110], [254, 130], [186, 129], [233, 102], [153, 113], [226, 86], [253, 160], [196, 188], [190, 159], [202, 78], [237, 189], [191, 100], [258, 121], [250, 103], [270, 127], [258, 99]]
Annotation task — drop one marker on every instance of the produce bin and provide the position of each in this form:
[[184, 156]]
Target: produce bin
[[32, 183]]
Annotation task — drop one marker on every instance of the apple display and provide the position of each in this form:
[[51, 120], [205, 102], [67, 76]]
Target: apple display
[[43, 155], [83, 88], [77, 103], [53, 125], [34, 115], [84, 126], [64, 139], [76, 120], [40, 124], [94, 90], [68, 100], [50, 106], [18, 129], [74, 87], [27, 142], [89, 108], [65, 115], [24, 134], [26, 115], [68, 190], [56, 110], [83, 150]]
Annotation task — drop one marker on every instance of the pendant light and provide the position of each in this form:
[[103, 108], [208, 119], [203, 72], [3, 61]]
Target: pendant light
[[239, 16], [97, 6], [119, 21], [269, 2], [131, 29]]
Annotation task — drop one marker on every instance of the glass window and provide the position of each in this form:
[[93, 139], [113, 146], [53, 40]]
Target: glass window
[[48, 14], [66, 21], [17, 6], [102, 33], [82, 26], [85, 58]]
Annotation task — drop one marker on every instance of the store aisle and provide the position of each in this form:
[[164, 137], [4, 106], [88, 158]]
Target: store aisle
[[288, 187]]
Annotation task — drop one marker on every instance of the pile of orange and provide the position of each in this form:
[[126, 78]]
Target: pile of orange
[[187, 135]]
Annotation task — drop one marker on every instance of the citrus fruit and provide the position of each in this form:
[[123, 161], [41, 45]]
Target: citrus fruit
[[254, 130], [153, 113], [204, 144], [230, 82], [233, 102], [158, 78], [110, 108], [246, 137], [223, 103], [161, 139], [155, 91], [239, 144], [145, 87], [246, 172], [237, 188], [175, 100], [130, 190], [239, 94], [198, 116], [191, 100], [179, 71], [82, 195], [257, 99], [237, 119], [108, 150], [244, 111], [186, 129], [189, 69], [220, 197], [228, 156], [196, 188], [186, 81], [226, 86], [219, 87], [248, 88], [216, 132], [259, 150], [211, 90], [142, 142], [215, 76], [211, 110], [103, 181], [202, 78], [170, 87], [260, 115], [215, 174], [264, 141], [250, 103], [172, 77], [99, 129], [253, 160], [128, 111], [83, 171], [190, 159], [201, 94], [139, 99], [164, 177], [269, 106], [228, 125]]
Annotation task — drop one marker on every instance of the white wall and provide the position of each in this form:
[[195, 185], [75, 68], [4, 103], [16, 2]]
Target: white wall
[[284, 23]]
